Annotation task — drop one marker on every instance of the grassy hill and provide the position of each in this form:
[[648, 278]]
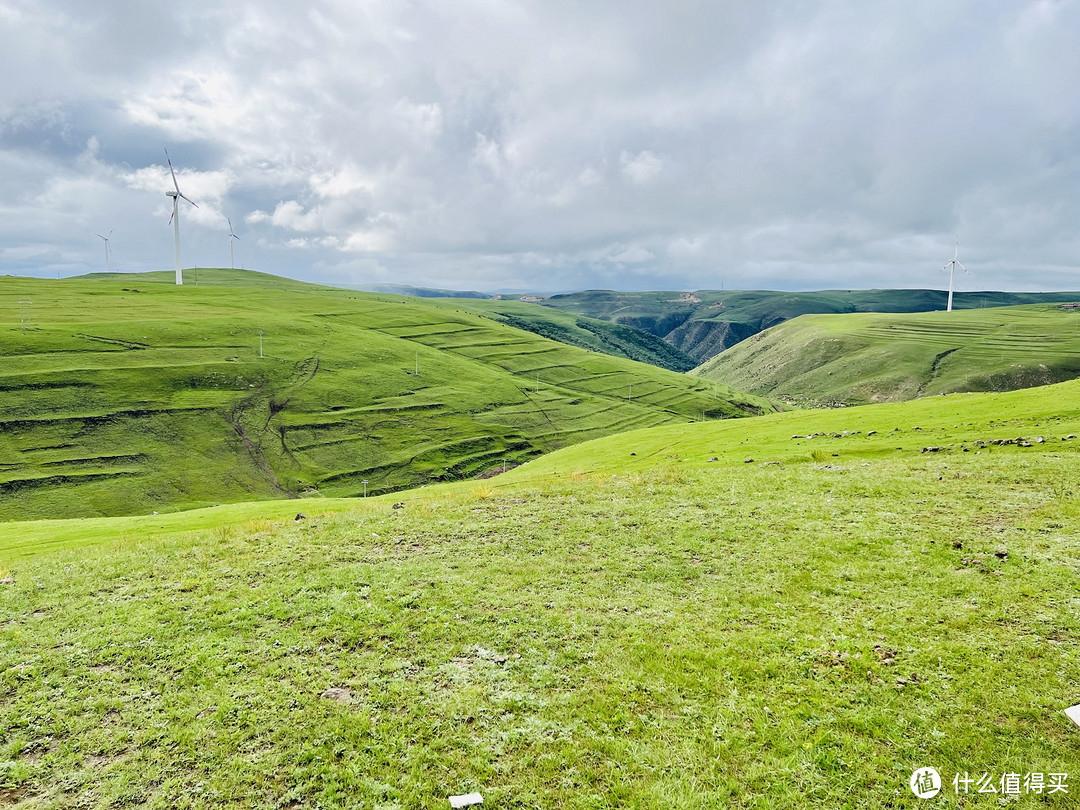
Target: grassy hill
[[128, 394], [704, 323], [586, 333], [791, 611], [873, 357]]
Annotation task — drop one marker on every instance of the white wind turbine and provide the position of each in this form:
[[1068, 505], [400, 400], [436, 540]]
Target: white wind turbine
[[951, 267], [175, 218], [106, 240], [231, 237]]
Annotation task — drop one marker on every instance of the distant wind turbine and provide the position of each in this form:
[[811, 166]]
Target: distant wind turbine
[[106, 240], [175, 218], [951, 267], [231, 237]]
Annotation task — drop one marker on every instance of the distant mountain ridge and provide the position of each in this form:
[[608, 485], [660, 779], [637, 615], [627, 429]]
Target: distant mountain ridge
[[704, 323]]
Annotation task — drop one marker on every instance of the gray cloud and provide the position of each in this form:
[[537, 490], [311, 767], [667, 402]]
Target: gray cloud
[[550, 145]]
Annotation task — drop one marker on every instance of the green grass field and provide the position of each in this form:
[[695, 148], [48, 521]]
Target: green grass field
[[871, 357], [586, 333], [788, 611], [706, 322], [126, 394]]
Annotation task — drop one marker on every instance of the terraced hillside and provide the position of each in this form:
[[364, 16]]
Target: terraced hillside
[[704, 323], [869, 357], [577, 330], [121, 394]]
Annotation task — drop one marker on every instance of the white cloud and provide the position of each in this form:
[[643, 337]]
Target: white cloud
[[641, 169]]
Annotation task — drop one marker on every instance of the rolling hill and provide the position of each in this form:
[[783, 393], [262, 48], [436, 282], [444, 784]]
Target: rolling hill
[[704, 323], [125, 394], [594, 334], [867, 357], [791, 611]]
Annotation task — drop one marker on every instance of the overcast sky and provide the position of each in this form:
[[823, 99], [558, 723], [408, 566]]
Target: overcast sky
[[548, 145]]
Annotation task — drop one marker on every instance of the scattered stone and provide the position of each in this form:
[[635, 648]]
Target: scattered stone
[[870, 433], [337, 693], [1001, 553], [748, 461], [7, 581], [957, 544], [399, 505], [633, 454], [932, 449], [886, 654], [1070, 436], [1039, 440], [916, 428], [465, 800], [300, 516], [714, 458]]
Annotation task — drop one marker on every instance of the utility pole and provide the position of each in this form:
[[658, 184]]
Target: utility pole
[[260, 344], [24, 319], [364, 482]]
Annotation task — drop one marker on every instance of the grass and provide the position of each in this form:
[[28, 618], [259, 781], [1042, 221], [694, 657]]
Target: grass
[[587, 333], [869, 357], [128, 394], [623, 623], [704, 323]]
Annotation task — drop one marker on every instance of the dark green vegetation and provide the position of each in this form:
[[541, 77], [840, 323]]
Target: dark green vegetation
[[586, 333], [129, 394], [824, 359], [704, 323], [623, 623]]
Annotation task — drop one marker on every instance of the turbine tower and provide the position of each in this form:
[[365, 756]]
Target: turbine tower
[[175, 218], [951, 267], [106, 239], [231, 237]]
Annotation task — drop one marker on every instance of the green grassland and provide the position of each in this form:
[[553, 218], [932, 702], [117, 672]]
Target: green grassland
[[787, 611], [704, 323], [129, 394], [587, 333], [871, 357]]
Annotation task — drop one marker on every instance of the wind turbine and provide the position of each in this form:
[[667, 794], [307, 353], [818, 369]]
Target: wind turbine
[[951, 267], [175, 218], [106, 239], [231, 237]]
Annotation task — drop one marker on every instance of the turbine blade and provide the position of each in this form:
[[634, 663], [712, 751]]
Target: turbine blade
[[962, 267], [99, 236], [172, 172], [190, 201]]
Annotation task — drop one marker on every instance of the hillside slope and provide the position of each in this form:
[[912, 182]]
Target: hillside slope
[[594, 334], [869, 357], [644, 620], [129, 394], [704, 323]]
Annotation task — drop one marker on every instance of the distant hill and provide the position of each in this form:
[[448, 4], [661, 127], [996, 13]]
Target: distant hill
[[126, 393], [414, 292], [868, 357], [577, 330], [704, 323]]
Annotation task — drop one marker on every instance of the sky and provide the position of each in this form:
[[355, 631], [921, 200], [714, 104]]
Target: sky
[[548, 145]]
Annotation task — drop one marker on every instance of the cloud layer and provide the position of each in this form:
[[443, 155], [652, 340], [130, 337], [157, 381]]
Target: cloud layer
[[548, 145]]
